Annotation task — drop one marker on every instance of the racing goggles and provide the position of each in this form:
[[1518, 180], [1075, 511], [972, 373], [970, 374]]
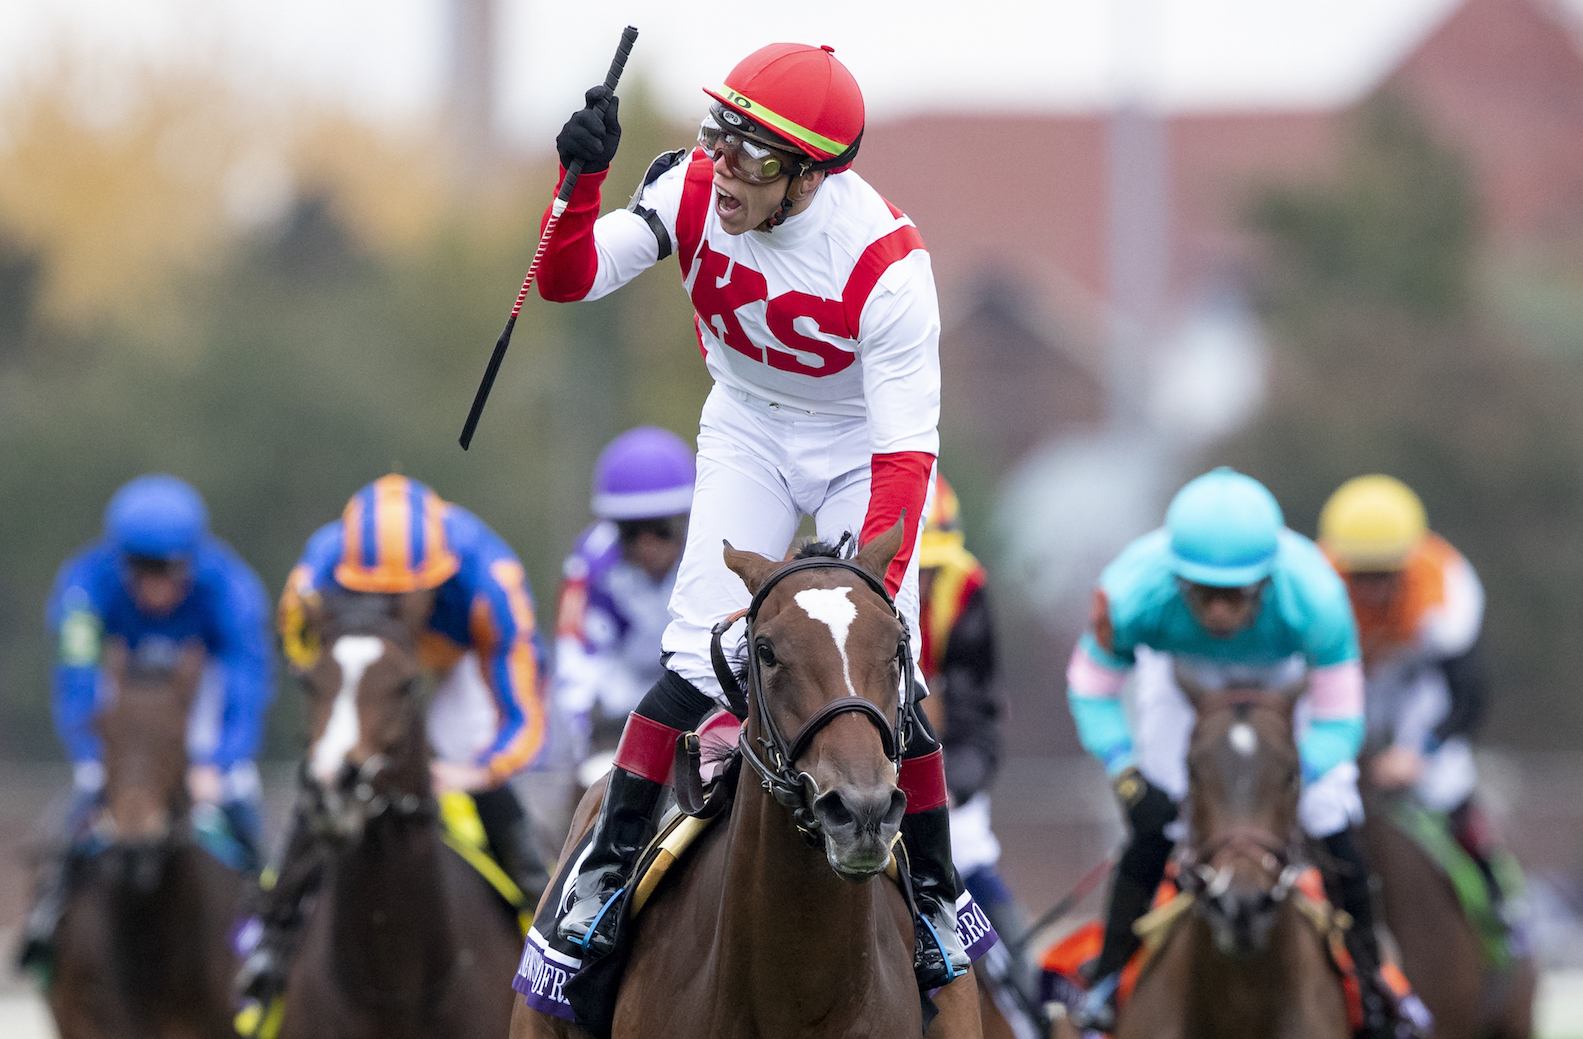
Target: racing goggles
[[748, 160]]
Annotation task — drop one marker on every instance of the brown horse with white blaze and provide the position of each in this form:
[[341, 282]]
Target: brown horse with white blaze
[[782, 925], [144, 944], [1244, 961], [404, 938]]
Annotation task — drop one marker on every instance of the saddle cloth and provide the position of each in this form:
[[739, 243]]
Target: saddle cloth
[[1500, 937], [548, 974]]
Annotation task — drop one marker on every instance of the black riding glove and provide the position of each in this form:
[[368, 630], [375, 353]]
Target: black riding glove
[[592, 134], [1148, 807]]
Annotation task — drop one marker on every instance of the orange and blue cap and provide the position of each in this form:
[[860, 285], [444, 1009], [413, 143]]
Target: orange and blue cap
[[393, 539]]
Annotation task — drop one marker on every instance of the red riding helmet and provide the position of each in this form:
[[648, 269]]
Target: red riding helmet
[[801, 94]]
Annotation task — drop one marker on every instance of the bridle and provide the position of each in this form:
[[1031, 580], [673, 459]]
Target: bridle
[[774, 758], [1199, 872], [367, 796]]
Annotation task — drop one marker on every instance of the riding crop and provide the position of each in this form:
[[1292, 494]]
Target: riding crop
[[628, 36]]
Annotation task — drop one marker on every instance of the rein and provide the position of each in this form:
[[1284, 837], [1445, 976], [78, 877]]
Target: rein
[[771, 755]]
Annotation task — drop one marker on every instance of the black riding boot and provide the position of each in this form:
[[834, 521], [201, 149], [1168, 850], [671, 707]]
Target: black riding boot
[[938, 955], [625, 826], [672, 706], [37, 950], [281, 897], [511, 841], [1132, 888], [1386, 1014]]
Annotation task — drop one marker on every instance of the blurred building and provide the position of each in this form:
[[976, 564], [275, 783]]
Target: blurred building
[[1016, 208], [1018, 214]]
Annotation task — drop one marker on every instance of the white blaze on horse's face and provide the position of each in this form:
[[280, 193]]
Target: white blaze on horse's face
[[1243, 739], [837, 612], [355, 653]]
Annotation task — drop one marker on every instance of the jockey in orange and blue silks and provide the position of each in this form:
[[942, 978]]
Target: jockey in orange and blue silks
[[1227, 592], [395, 536], [486, 720]]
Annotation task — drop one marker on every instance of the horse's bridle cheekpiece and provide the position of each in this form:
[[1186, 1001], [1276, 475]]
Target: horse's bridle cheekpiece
[[777, 764]]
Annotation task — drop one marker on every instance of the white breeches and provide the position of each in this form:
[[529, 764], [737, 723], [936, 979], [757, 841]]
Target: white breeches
[[1405, 704], [463, 720], [973, 843], [761, 468], [1164, 728]]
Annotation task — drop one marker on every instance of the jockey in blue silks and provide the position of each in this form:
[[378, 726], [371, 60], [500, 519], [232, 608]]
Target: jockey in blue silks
[[1225, 591], [159, 580]]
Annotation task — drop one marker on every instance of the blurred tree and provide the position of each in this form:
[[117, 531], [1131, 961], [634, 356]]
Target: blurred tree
[[309, 355], [1390, 359]]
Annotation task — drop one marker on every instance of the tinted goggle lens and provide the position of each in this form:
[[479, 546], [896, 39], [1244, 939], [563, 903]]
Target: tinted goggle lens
[[748, 159]]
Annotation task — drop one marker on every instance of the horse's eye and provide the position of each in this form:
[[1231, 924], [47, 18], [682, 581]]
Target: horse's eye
[[766, 655], [1294, 778]]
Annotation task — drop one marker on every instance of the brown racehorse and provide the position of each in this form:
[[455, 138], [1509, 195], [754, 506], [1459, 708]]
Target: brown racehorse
[[144, 945], [1441, 954], [765, 935], [404, 939], [1245, 962]]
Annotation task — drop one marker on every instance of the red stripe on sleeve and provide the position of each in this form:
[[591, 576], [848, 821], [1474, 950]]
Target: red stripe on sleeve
[[647, 748], [697, 193], [871, 266], [566, 272], [923, 781], [897, 481]]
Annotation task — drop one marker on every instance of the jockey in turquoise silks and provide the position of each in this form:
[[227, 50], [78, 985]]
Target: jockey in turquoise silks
[[1225, 591]]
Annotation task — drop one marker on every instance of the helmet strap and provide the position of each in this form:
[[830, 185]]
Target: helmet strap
[[780, 215]]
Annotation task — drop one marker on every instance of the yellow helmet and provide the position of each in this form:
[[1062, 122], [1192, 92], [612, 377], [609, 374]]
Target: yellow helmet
[[942, 531], [1372, 523]]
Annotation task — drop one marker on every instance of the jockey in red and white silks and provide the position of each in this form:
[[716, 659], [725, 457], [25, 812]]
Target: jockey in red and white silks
[[817, 317], [823, 339]]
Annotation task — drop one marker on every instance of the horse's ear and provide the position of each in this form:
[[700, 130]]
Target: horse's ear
[[753, 568], [113, 659], [1292, 692], [1190, 687], [413, 609], [189, 668], [876, 556]]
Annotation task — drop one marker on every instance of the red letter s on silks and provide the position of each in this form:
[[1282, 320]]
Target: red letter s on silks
[[781, 316], [717, 303]]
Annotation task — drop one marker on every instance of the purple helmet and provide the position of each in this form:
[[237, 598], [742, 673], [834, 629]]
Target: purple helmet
[[644, 473]]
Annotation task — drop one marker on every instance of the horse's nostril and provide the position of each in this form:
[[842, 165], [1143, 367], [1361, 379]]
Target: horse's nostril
[[347, 777], [897, 809], [832, 810]]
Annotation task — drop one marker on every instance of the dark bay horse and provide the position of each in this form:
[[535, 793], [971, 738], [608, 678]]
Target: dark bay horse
[[1441, 954], [1245, 961], [764, 934], [403, 939], [144, 945]]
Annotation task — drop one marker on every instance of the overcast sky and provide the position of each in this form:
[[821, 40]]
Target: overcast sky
[[387, 58]]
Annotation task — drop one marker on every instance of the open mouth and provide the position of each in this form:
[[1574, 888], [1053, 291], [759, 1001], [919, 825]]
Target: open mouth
[[725, 204]]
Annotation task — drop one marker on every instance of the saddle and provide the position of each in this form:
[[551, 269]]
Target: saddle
[[1431, 831], [552, 976], [462, 831], [1065, 965]]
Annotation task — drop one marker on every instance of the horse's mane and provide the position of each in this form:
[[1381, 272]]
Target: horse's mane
[[817, 549]]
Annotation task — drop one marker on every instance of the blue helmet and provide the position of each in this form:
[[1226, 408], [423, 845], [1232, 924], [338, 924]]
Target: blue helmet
[[644, 473], [1224, 529], [156, 517]]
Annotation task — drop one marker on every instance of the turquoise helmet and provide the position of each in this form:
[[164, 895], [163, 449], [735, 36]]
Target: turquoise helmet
[[1224, 529]]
